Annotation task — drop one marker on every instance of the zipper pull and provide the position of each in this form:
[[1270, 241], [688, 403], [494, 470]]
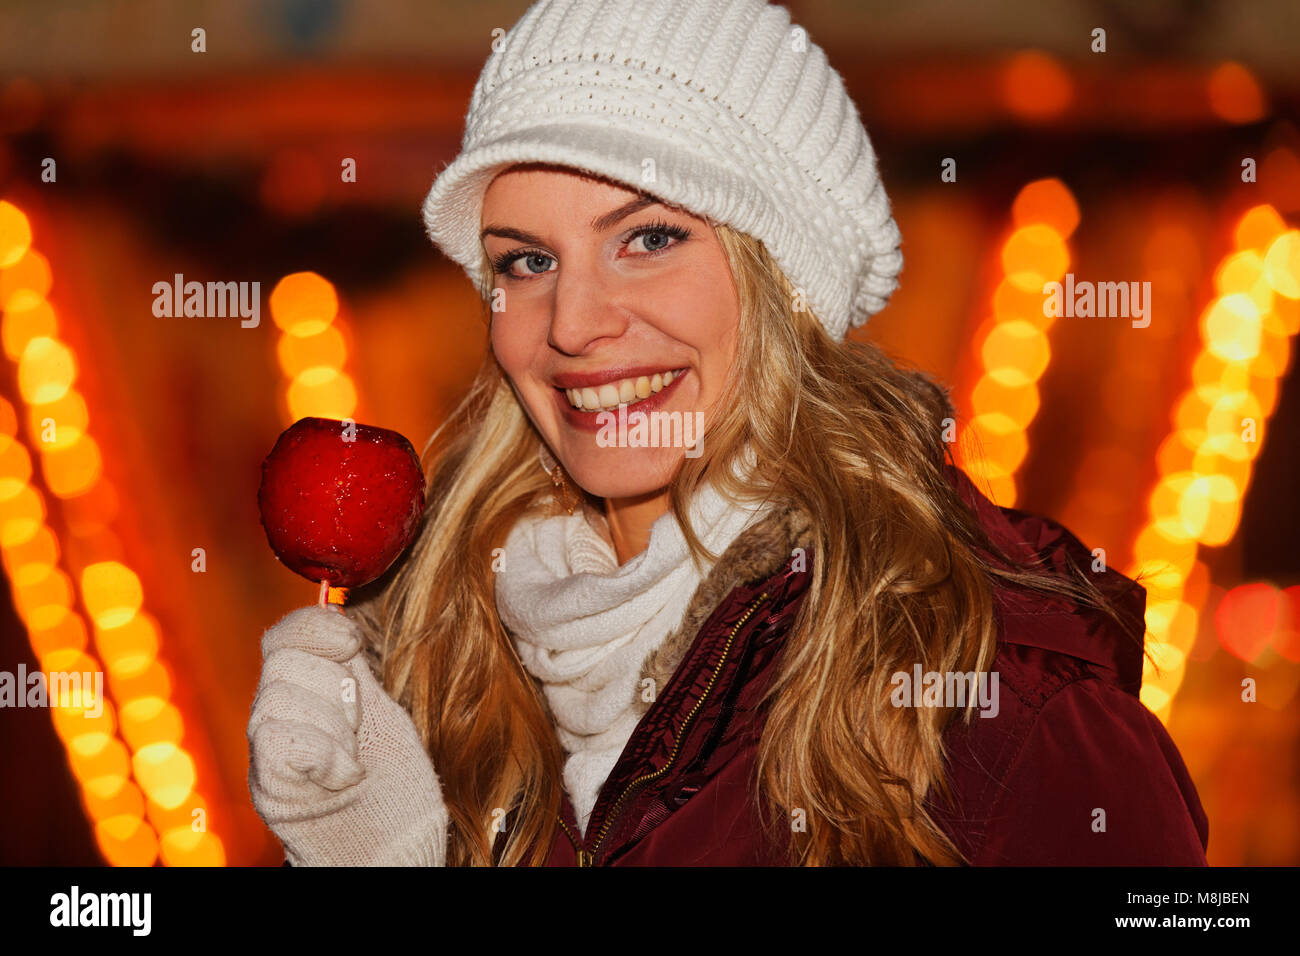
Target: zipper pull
[[584, 858]]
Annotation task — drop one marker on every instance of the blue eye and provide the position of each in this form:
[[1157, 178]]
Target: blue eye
[[502, 263], [659, 229], [657, 233]]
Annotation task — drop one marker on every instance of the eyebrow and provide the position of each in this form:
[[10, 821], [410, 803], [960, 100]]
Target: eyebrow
[[600, 223]]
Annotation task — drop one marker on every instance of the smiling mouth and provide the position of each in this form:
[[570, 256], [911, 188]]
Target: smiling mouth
[[626, 391]]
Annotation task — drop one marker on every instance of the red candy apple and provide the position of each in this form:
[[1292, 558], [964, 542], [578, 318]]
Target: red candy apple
[[340, 501]]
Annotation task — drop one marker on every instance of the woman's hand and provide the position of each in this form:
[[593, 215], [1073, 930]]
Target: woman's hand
[[336, 766]]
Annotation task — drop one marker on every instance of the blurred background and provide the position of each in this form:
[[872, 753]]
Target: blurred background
[[131, 444]]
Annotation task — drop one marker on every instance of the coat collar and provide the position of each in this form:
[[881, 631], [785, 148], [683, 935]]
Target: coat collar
[[759, 552], [1027, 618], [1056, 623]]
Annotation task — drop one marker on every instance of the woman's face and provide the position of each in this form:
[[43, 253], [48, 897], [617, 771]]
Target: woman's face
[[601, 293]]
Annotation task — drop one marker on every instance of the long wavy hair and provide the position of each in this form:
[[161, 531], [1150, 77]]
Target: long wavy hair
[[901, 573]]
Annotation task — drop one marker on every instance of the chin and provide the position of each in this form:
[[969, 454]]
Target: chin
[[625, 472]]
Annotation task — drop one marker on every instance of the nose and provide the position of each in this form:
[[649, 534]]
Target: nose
[[584, 308]]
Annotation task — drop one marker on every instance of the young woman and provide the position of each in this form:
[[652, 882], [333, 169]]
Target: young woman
[[780, 628]]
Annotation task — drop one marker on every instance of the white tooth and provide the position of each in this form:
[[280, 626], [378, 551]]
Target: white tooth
[[626, 391], [656, 382], [608, 395], [643, 387], [575, 398], [590, 399], [668, 379]]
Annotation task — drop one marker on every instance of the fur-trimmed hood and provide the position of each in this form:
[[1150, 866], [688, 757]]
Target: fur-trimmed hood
[[756, 554]]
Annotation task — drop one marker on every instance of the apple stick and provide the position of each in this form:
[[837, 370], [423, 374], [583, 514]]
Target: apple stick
[[324, 592]]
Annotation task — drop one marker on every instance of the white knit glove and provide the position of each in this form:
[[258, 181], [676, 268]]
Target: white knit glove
[[336, 766]]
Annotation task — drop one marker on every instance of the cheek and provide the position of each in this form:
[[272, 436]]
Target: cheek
[[710, 301], [511, 342]]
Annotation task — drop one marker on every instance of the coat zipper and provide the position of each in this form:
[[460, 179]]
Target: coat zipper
[[588, 857]]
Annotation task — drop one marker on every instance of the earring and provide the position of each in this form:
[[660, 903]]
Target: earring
[[559, 480]]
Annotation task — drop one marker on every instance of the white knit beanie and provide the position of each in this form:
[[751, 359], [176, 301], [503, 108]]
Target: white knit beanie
[[721, 107]]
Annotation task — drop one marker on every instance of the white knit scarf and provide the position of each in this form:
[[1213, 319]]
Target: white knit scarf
[[584, 625]]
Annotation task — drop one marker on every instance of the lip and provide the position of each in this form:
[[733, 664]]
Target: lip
[[590, 422], [605, 376]]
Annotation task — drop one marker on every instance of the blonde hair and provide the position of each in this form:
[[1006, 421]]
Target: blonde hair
[[902, 573]]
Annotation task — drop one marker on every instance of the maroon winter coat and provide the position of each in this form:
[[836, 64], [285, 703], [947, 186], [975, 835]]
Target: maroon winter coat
[[1070, 736]]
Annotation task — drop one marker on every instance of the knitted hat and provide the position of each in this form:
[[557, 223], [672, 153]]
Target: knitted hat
[[721, 107]]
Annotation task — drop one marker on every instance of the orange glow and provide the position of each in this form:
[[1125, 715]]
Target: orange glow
[[75, 689], [127, 841], [150, 720], [182, 846], [15, 234], [1016, 353], [1274, 356], [1287, 635], [1206, 461], [8, 422], [1193, 405], [103, 769], [32, 560], [1259, 227], [57, 420], [1177, 451], [139, 677], [992, 480], [1018, 402], [1208, 508], [1243, 272], [58, 424], [67, 634], [1246, 617], [304, 304], [1034, 255], [1035, 86], [183, 815], [1010, 301], [1232, 328], [15, 469], [1234, 94], [1047, 201], [21, 517], [128, 647], [111, 592], [71, 723], [20, 326], [92, 511], [165, 772], [101, 802], [326, 349], [1223, 420], [1282, 264], [46, 602], [46, 370], [1001, 442], [26, 283], [73, 470], [323, 393]]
